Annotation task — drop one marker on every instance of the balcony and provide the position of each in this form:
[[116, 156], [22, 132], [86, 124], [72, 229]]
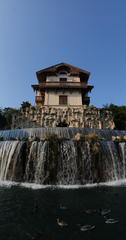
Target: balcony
[[86, 100], [72, 85], [39, 99]]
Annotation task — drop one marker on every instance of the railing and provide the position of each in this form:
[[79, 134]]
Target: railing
[[38, 99], [63, 85]]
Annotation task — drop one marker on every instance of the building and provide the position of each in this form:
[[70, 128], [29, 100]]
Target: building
[[62, 85], [62, 101]]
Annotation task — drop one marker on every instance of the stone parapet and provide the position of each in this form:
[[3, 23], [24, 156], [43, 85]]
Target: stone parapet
[[83, 117]]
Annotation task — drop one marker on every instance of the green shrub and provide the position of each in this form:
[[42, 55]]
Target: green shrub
[[52, 137], [119, 113], [91, 107], [92, 139], [7, 113], [26, 104]]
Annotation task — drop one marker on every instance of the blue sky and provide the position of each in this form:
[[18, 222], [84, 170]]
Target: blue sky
[[36, 34]]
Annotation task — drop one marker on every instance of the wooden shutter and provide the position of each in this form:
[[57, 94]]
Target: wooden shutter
[[63, 100]]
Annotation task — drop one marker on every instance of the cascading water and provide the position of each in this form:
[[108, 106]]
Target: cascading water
[[31, 163], [42, 156], [122, 150], [114, 156], [16, 173], [66, 132], [6, 153], [68, 162], [86, 164]]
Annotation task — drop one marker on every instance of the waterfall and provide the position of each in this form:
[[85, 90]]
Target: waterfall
[[122, 148], [66, 132], [86, 164], [31, 164], [67, 162], [6, 152], [17, 170], [41, 173], [115, 158]]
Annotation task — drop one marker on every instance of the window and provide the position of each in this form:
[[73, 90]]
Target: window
[[63, 79], [63, 100]]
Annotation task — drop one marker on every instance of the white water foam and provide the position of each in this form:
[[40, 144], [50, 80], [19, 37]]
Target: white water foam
[[8, 184]]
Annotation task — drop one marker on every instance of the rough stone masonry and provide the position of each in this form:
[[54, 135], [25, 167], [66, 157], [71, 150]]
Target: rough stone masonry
[[81, 117]]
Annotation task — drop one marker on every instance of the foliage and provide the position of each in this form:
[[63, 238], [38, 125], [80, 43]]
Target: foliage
[[91, 107], [119, 113], [52, 137], [92, 139], [7, 113], [79, 136], [2, 120], [25, 104]]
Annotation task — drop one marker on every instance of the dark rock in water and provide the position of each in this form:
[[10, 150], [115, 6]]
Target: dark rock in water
[[24, 139], [11, 138], [1, 138], [17, 138], [31, 139]]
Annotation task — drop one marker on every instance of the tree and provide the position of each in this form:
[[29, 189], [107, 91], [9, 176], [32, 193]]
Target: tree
[[2, 120], [7, 113], [25, 104], [119, 113]]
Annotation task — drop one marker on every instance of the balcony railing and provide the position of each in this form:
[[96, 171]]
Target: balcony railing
[[38, 99], [63, 85]]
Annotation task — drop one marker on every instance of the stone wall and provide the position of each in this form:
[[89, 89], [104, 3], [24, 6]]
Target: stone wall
[[83, 117]]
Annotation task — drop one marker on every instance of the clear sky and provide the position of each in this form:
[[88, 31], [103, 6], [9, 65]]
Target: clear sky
[[88, 34]]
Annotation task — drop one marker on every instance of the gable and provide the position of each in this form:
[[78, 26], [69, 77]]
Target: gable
[[62, 68]]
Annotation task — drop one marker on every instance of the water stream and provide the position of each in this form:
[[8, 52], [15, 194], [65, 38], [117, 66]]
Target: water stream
[[68, 163]]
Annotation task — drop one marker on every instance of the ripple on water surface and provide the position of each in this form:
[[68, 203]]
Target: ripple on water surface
[[18, 222]]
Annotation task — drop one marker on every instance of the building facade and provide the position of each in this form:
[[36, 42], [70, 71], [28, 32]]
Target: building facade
[[62, 85], [62, 101]]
